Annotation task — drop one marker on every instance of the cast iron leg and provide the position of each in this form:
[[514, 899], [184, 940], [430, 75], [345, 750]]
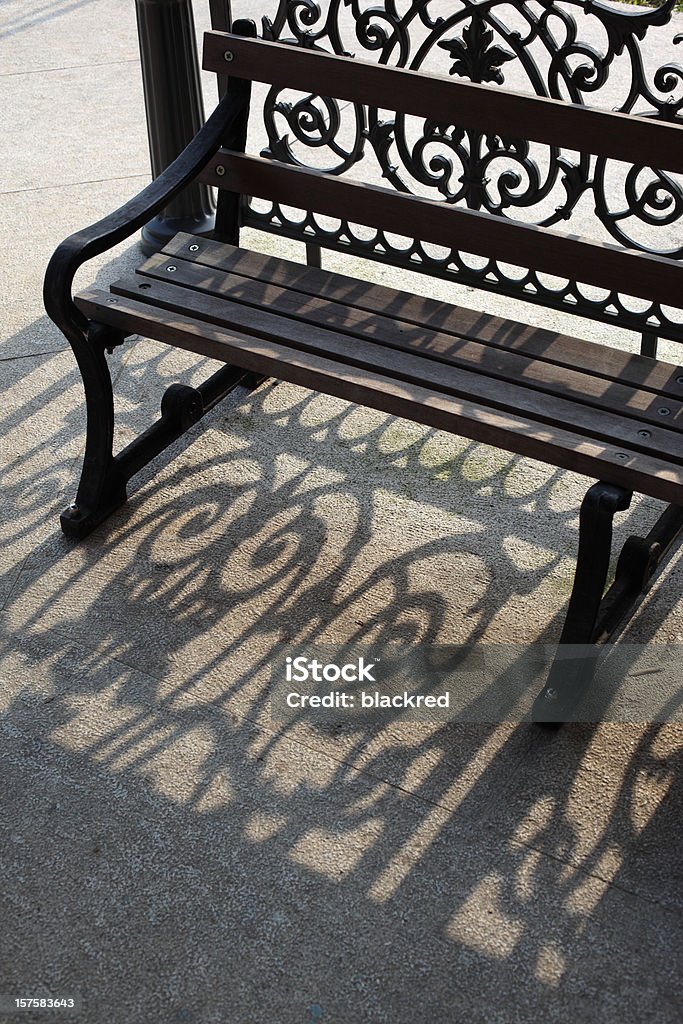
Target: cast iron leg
[[102, 488], [592, 619], [181, 407]]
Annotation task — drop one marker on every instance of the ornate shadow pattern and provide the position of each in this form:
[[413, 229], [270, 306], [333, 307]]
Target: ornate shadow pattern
[[583, 51]]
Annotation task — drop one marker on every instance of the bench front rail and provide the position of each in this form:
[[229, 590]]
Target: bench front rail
[[577, 405]]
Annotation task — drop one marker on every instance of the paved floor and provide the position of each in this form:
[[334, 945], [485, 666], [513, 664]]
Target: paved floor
[[168, 851]]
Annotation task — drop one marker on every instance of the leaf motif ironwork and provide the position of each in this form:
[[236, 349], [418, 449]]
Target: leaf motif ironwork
[[474, 55], [541, 46]]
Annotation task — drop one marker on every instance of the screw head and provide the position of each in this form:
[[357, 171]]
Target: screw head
[[172, 268], [622, 456], [550, 694], [220, 170], [664, 411], [194, 247], [228, 56], [644, 433], [112, 302], [679, 380]]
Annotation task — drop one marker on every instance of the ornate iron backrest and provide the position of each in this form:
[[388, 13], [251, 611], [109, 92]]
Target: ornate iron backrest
[[535, 46]]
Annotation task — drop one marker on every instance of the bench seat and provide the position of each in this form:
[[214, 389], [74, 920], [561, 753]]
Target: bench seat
[[581, 406]]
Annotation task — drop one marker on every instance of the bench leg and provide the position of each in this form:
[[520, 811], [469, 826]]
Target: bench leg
[[102, 488], [594, 616], [181, 407]]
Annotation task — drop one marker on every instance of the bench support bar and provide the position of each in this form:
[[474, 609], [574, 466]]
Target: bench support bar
[[594, 616], [103, 483]]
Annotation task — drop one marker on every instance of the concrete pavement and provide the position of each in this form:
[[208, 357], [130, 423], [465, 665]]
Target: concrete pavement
[[170, 853]]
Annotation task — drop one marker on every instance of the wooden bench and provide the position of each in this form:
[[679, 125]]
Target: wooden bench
[[614, 416]]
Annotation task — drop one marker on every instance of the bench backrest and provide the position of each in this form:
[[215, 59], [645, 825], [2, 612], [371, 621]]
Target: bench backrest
[[439, 103]]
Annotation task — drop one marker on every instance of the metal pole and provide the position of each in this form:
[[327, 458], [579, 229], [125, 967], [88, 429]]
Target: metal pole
[[175, 112]]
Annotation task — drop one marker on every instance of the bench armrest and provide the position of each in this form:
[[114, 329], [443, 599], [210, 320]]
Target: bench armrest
[[78, 248]]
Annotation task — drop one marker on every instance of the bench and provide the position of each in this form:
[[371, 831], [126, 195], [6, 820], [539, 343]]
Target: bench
[[613, 416]]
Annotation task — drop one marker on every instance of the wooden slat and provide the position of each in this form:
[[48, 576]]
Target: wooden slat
[[484, 108], [570, 256], [591, 421], [664, 379], [401, 398], [514, 378]]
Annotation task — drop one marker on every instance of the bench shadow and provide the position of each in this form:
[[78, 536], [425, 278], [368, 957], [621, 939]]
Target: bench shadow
[[287, 872], [382, 875]]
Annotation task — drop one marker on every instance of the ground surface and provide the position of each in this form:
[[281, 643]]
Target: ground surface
[[168, 851]]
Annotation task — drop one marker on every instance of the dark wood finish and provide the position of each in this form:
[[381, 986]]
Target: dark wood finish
[[227, 221], [555, 122], [510, 379], [592, 420], [664, 379], [516, 433], [573, 257], [221, 18]]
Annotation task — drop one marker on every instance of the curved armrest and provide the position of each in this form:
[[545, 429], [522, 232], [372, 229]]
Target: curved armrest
[[91, 241]]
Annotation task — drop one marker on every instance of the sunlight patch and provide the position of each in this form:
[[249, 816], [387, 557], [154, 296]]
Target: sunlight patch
[[178, 768], [484, 462], [550, 964], [589, 890], [263, 825], [217, 795], [335, 854], [482, 923], [525, 555]]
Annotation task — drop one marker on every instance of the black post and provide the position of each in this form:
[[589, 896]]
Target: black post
[[175, 112]]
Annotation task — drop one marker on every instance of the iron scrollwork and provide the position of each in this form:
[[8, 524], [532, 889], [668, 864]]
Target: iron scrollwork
[[583, 51]]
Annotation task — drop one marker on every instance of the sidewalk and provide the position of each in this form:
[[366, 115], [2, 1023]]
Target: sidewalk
[[169, 852]]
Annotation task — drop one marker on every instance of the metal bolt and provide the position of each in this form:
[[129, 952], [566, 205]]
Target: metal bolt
[[550, 694], [679, 380], [644, 433], [194, 248], [220, 170], [622, 456], [112, 302], [664, 411], [171, 269], [228, 55]]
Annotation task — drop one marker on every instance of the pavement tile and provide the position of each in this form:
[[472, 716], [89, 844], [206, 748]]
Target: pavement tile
[[473, 924], [208, 826], [42, 219], [37, 454], [44, 36], [112, 145]]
